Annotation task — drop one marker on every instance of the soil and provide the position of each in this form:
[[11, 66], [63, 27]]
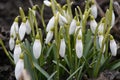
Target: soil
[[9, 9]]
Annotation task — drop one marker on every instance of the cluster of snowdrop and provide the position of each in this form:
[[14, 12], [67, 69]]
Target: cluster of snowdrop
[[62, 17]]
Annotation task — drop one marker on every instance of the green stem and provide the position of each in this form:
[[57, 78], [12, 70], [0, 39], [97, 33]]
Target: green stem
[[6, 52], [69, 10]]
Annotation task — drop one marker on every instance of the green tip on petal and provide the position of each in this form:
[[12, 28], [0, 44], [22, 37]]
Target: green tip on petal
[[79, 37], [103, 20], [37, 36], [21, 56], [91, 17], [24, 20], [16, 19], [17, 41], [111, 37], [34, 7]]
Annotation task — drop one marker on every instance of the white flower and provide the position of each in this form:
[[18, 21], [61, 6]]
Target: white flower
[[19, 69], [22, 30], [11, 43], [17, 52], [93, 25], [94, 10], [47, 3], [113, 19], [50, 24], [79, 48], [62, 48], [113, 47], [28, 28], [101, 28], [100, 42], [72, 27], [62, 20], [14, 29], [37, 48], [49, 36]]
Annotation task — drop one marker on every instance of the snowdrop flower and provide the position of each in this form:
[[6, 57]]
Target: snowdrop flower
[[101, 37], [62, 20], [72, 27], [113, 46], [11, 43], [47, 3], [49, 36], [28, 28], [113, 19], [19, 68], [22, 30], [14, 28], [50, 24], [62, 48], [101, 26], [17, 51], [93, 24], [37, 47], [79, 47], [94, 9]]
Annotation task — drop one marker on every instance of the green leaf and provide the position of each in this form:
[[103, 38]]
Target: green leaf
[[74, 73], [114, 65], [41, 70], [51, 76], [62, 66]]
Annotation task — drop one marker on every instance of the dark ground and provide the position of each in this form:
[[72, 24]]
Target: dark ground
[[9, 9]]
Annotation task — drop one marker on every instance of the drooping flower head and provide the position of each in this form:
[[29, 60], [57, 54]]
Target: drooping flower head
[[28, 27], [113, 46], [37, 47]]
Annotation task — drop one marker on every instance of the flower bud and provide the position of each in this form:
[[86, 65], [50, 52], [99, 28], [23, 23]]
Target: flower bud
[[93, 25], [113, 47], [62, 20], [50, 24], [100, 42], [17, 51], [19, 68], [14, 28], [11, 43], [37, 48], [72, 27], [94, 10], [28, 28], [62, 48], [47, 3], [22, 30], [49, 37], [113, 19], [79, 47]]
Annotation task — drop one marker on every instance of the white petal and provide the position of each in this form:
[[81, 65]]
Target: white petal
[[47, 3], [14, 29], [113, 47], [72, 27], [11, 43], [94, 11], [17, 52], [37, 48], [100, 42], [62, 48], [19, 68], [62, 20], [93, 26], [22, 30], [49, 37], [79, 48], [113, 19], [50, 24], [28, 28], [101, 28]]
